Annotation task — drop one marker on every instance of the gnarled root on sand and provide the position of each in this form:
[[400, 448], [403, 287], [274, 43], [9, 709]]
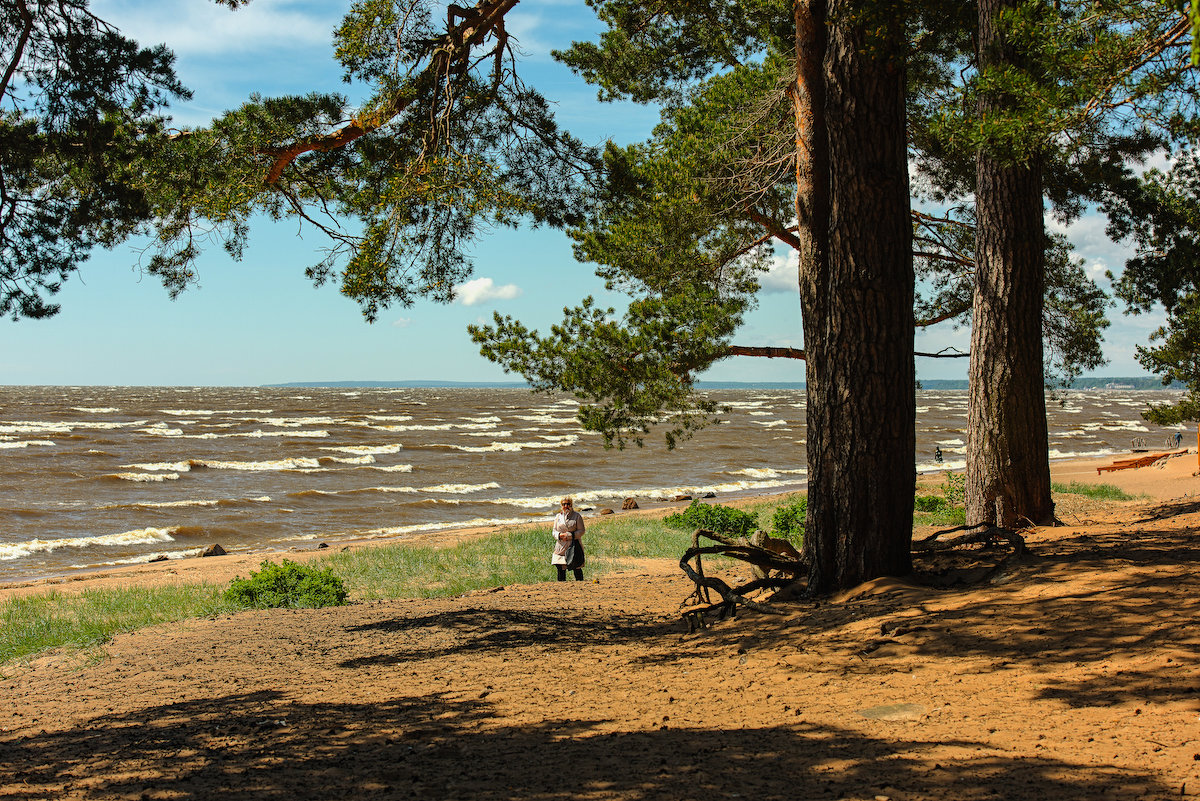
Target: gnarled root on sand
[[764, 554], [777, 565]]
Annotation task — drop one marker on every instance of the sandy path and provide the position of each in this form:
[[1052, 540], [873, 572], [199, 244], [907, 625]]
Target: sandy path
[[1076, 677]]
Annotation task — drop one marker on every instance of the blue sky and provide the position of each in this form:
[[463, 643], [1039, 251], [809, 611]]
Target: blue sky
[[260, 321]]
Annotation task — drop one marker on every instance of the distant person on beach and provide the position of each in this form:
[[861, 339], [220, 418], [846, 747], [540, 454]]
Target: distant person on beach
[[568, 525], [1178, 439], [937, 453]]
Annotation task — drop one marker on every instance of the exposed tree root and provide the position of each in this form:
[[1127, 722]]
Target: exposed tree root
[[778, 567], [762, 558], [984, 534]]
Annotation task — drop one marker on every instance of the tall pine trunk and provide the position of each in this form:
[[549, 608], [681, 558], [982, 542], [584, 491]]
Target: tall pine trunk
[[857, 300], [1008, 471]]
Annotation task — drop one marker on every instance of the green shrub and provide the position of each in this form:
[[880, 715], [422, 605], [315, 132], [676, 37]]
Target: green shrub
[[722, 519], [930, 503], [788, 521], [955, 488], [287, 584]]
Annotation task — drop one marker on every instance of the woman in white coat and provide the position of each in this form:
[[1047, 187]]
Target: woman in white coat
[[568, 526]]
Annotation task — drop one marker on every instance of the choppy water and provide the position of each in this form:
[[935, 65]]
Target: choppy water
[[96, 476]]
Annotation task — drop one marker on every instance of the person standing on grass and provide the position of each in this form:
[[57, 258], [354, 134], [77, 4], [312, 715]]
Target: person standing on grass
[[568, 526]]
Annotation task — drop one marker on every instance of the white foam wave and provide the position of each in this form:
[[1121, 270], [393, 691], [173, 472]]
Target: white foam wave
[[1129, 425], [410, 490], [189, 412], [512, 447], [942, 466], [474, 523], [184, 504], [256, 434], [461, 489], [172, 467], [394, 468], [770, 423], [765, 472], [94, 409], [139, 536], [26, 443], [161, 430], [592, 496], [144, 478], [1057, 454], [367, 459], [390, 418], [438, 427], [363, 450], [294, 463], [48, 427], [296, 422], [145, 558]]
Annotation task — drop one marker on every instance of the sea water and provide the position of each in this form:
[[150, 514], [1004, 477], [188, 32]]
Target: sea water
[[100, 476]]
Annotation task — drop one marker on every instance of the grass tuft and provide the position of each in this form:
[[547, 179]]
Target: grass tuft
[[1102, 492], [35, 623]]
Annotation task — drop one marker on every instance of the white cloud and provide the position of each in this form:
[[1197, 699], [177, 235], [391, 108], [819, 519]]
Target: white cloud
[[481, 290], [783, 275], [402, 322], [191, 28]]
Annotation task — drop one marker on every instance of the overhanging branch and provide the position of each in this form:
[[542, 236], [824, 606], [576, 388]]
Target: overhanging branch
[[768, 352], [450, 49]]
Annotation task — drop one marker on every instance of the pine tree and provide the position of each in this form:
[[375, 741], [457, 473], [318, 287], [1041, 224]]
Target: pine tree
[[81, 104]]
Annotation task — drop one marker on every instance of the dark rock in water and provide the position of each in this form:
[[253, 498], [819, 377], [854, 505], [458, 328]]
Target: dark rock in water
[[710, 495], [606, 511], [629, 503], [682, 498], [162, 557], [323, 545], [214, 550], [586, 508]]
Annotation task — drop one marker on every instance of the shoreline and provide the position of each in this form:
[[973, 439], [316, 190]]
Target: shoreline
[[1174, 479]]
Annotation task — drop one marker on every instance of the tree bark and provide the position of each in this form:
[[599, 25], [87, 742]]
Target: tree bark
[[1008, 470], [856, 290]]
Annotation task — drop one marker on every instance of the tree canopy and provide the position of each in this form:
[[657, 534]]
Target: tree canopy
[[80, 105]]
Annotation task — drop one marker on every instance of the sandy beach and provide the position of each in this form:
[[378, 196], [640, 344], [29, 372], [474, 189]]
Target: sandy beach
[[1075, 675]]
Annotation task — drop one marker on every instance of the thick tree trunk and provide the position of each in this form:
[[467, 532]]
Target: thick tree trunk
[[858, 317], [1008, 472]]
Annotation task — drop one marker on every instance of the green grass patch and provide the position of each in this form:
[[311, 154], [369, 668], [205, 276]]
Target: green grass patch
[[516, 556], [1102, 492], [35, 623], [32, 624]]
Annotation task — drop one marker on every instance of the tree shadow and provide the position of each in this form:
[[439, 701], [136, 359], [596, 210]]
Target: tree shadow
[[1138, 609], [265, 746], [481, 629]]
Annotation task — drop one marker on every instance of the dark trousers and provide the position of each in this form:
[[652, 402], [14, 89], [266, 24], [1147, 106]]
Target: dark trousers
[[562, 573]]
